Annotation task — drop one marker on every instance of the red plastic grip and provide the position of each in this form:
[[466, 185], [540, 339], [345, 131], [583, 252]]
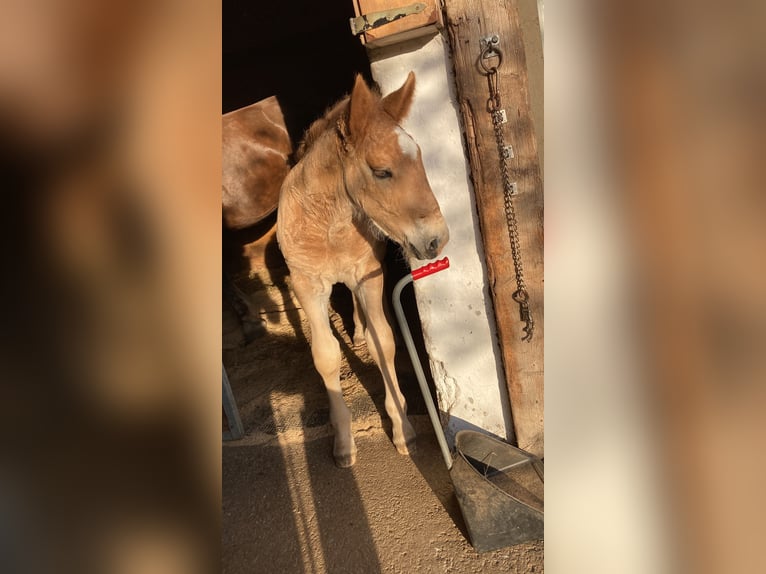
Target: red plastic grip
[[430, 269]]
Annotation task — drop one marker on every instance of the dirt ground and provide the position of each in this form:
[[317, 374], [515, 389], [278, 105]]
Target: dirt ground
[[286, 506]]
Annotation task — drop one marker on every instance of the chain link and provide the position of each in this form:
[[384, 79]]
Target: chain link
[[521, 295]]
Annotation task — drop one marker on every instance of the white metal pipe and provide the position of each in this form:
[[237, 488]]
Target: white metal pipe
[[432, 411]]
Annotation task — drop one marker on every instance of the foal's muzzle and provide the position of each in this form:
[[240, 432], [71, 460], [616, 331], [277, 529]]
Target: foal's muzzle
[[430, 243]]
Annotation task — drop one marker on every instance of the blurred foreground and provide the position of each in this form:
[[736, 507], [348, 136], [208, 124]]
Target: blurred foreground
[[110, 155], [655, 287]]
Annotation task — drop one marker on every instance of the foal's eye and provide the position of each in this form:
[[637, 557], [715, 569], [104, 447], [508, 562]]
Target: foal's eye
[[381, 173]]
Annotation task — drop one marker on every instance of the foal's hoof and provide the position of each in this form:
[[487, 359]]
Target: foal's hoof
[[408, 448], [344, 460]]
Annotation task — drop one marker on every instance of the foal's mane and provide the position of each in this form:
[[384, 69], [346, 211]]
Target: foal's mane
[[334, 118]]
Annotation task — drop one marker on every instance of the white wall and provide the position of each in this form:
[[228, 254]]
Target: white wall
[[455, 305]]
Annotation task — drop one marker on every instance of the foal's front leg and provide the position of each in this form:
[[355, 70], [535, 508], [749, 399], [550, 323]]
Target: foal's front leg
[[381, 345], [314, 297]]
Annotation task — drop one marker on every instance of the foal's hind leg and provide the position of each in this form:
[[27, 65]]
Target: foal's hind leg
[[380, 343], [314, 298]]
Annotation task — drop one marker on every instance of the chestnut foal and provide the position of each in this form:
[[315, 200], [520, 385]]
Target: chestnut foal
[[359, 180]]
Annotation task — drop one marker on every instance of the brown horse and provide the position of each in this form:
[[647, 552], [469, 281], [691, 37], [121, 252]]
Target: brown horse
[[255, 161], [359, 179]]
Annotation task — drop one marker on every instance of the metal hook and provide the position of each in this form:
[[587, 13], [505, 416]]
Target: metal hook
[[490, 48]]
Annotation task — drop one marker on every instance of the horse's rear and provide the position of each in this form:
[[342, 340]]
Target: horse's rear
[[256, 159], [360, 180]]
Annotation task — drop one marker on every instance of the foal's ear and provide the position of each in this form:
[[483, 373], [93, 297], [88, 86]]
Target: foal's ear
[[397, 104], [360, 108]]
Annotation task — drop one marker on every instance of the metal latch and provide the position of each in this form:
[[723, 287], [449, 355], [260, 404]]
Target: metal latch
[[488, 45], [372, 20]]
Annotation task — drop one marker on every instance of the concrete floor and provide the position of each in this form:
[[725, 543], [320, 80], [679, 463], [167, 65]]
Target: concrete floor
[[287, 508]]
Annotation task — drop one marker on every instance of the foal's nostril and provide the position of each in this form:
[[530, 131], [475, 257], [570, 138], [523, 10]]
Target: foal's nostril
[[433, 247]]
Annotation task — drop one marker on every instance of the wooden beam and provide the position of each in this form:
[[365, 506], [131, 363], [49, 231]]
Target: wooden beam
[[411, 26], [467, 22]]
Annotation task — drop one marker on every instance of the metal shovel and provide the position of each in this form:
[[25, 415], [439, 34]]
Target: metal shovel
[[499, 487]]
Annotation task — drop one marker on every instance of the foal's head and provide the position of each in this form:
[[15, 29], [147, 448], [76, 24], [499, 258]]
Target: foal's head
[[384, 173]]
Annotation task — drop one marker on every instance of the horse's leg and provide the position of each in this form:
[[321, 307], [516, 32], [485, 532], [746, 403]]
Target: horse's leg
[[380, 343], [252, 325], [325, 349]]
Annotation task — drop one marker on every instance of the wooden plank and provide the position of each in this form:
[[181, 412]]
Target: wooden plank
[[467, 22], [400, 30]]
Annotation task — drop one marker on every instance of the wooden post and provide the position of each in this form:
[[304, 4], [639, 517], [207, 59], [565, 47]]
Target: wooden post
[[468, 21]]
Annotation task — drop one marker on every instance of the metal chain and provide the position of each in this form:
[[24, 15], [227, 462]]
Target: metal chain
[[521, 295]]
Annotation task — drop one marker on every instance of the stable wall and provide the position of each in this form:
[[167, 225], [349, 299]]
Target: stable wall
[[455, 306]]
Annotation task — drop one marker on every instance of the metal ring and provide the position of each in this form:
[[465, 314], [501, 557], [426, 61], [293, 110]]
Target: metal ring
[[495, 51]]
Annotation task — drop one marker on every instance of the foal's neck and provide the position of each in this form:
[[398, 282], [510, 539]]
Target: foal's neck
[[324, 187]]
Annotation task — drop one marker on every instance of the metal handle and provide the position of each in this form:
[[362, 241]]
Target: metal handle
[[421, 272], [430, 269]]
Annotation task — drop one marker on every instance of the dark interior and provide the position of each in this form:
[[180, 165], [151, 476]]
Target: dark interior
[[301, 52]]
